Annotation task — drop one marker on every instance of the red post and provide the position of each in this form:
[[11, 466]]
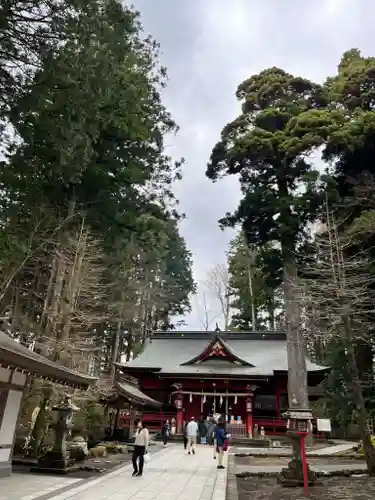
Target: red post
[[180, 423], [304, 466], [249, 425], [249, 415]]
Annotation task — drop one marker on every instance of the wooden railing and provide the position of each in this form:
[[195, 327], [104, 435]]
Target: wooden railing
[[154, 421], [237, 430]]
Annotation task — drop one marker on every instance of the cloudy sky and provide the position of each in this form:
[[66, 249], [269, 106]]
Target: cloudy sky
[[209, 47]]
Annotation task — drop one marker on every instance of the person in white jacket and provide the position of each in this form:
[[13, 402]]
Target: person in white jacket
[[140, 448], [191, 434]]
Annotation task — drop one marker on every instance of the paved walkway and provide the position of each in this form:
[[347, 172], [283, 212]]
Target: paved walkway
[[25, 486], [337, 448], [170, 475]]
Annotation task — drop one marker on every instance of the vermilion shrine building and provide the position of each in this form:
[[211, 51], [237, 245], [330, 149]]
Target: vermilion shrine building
[[240, 375]]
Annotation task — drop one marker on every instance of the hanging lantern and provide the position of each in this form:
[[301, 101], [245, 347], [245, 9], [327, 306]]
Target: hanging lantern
[[178, 402], [235, 400], [190, 398], [249, 405]]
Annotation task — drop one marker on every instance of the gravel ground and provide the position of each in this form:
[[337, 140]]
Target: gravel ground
[[352, 488], [283, 461], [105, 464]]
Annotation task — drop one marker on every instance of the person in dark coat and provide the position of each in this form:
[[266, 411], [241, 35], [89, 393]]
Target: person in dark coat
[[202, 429], [211, 431], [185, 435], [166, 432], [221, 439]]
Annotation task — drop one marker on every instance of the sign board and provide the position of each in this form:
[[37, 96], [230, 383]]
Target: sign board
[[323, 424], [300, 414]]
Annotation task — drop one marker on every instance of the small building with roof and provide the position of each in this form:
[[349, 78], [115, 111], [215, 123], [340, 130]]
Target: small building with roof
[[17, 364], [241, 375], [125, 404]]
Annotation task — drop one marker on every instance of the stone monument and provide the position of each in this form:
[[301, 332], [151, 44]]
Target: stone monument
[[58, 459]]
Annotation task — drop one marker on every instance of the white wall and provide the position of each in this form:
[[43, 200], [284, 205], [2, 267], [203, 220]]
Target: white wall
[[11, 397], [4, 374], [9, 420]]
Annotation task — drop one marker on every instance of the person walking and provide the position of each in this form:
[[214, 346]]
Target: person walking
[[211, 431], [192, 432], [140, 448], [212, 439], [221, 442], [166, 432], [185, 435], [202, 429]]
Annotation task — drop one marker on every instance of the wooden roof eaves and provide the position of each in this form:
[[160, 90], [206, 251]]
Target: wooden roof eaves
[[43, 368]]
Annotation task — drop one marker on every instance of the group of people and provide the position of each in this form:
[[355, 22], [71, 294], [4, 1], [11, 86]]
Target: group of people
[[214, 431]]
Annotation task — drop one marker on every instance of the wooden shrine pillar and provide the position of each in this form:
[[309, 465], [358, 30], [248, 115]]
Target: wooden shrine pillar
[[249, 415]]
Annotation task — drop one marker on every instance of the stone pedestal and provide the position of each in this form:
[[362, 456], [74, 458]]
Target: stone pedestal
[[58, 459], [293, 474], [55, 460]]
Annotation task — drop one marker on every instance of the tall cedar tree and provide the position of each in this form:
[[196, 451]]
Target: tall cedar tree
[[265, 146], [91, 124], [269, 150], [351, 149]]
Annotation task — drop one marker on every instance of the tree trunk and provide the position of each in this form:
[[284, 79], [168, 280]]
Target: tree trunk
[[251, 292], [364, 355], [115, 351], [297, 373], [358, 398], [271, 314], [38, 432]]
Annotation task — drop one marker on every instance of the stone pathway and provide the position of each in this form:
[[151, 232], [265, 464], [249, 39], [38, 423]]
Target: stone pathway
[[337, 448], [20, 486], [170, 475]]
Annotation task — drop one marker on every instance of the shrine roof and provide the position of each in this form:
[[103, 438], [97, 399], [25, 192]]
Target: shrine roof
[[258, 354], [133, 394], [16, 355]]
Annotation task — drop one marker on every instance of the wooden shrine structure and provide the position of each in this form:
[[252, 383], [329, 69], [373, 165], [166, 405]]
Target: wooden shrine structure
[[242, 376], [125, 404], [17, 365]]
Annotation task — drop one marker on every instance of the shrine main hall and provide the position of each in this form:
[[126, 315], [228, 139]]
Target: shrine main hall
[[241, 375]]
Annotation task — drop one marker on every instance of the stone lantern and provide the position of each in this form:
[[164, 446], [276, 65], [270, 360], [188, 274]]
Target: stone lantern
[[298, 427], [58, 458]]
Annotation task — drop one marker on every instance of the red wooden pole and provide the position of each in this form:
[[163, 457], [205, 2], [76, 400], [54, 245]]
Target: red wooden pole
[[304, 467]]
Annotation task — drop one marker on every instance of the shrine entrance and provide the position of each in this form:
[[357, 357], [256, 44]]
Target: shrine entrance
[[213, 405]]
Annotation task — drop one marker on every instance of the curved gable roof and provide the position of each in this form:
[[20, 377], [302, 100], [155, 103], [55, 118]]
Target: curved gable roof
[[217, 347], [261, 353]]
